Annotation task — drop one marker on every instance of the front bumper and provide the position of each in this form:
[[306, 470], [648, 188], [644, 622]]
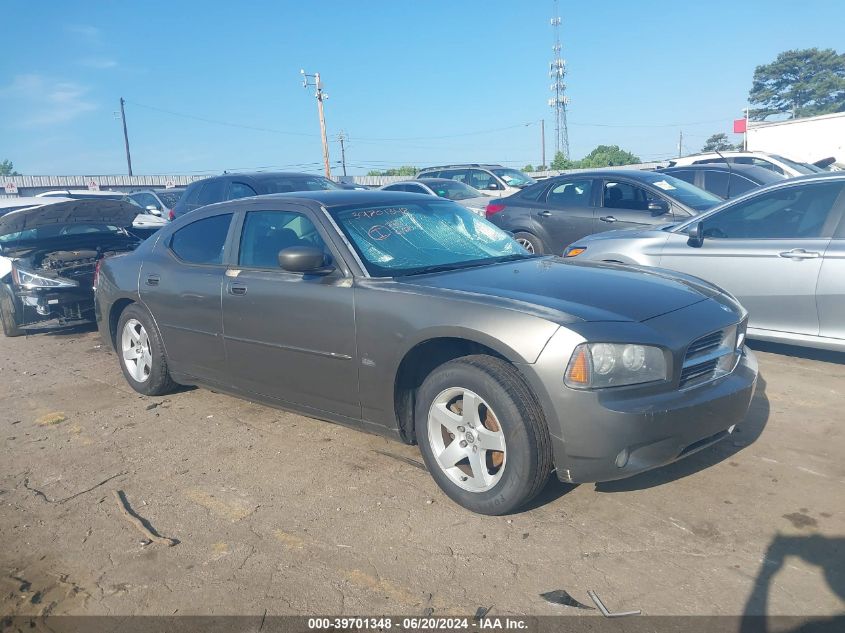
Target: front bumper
[[611, 434], [51, 307]]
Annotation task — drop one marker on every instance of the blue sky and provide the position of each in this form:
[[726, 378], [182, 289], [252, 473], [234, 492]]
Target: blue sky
[[409, 82]]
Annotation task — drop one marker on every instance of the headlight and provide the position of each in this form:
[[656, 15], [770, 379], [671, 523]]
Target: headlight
[[574, 251], [597, 365], [28, 279]]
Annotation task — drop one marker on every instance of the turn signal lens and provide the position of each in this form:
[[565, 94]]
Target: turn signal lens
[[574, 251], [493, 208], [579, 368]]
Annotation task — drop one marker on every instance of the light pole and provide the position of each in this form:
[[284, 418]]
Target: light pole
[[314, 80]]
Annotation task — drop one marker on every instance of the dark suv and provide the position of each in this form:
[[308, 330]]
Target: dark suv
[[232, 186]]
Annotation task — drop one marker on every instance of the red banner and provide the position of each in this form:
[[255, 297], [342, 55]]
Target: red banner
[[739, 126]]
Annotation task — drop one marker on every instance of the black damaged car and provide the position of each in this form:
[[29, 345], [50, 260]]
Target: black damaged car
[[49, 256]]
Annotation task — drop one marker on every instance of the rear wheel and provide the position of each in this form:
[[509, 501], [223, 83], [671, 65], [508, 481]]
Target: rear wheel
[[482, 434], [141, 353], [7, 316], [529, 242]]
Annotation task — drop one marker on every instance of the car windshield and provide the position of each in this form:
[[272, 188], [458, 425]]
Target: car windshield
[[169, 198], [454, 190], [801, 168], [408, 239], [285, 184], [685, 193], [514, 177]]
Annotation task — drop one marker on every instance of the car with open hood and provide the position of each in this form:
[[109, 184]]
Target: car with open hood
[[48, 259], [408, 315]]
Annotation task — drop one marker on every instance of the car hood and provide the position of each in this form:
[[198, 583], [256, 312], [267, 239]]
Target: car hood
[[567, 290], [112, 212], [622, 234]]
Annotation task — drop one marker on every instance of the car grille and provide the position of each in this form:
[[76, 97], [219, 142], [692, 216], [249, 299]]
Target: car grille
[[711, 356]]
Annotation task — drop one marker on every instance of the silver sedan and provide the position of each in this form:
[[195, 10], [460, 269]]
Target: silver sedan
[[779, 250], [453, 190]]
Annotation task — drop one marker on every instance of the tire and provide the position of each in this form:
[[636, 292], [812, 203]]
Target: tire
[[140, 352], [7, 316], [486, 481], [529, 242]]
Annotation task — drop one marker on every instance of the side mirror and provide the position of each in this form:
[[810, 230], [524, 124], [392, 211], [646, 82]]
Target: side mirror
[[153, 209], [696, 235], [304, 259], [658, 207], [493, 186]]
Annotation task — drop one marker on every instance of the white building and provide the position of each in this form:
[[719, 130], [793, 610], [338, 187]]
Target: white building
[[806, 140]]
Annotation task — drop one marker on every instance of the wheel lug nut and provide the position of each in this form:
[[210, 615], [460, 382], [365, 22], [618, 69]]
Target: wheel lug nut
[[463, 444], [474, 448], [461, 429]]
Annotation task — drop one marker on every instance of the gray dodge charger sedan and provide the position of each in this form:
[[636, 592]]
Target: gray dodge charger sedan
[[408, 315]]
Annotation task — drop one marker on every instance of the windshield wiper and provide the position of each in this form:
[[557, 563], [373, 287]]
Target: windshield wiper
[[436, 268]]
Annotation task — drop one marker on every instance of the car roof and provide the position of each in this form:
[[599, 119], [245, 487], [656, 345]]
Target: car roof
[[424, 181], [330, 198], [752, 171], [635, 174], [462, 166]]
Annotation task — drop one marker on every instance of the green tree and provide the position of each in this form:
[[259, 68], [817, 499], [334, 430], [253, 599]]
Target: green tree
[[405, 170], [804, 82], [7, 168], [528, 168], [608, 156], [718, 142], [561, 162]]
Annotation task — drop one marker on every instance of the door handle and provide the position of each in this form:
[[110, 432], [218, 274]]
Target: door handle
[[237, 289], [800, 253], [152, 280], [546, 214], [608, 218]]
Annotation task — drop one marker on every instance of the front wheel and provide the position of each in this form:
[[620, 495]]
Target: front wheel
[[482, 434], [141, 353], [7, 317], [529, 242]]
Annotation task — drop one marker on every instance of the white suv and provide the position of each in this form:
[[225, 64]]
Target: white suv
[[773, 162]]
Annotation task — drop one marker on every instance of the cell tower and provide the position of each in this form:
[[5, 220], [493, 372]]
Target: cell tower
[[557, 73]]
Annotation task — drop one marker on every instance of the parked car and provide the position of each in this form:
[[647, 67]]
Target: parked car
[[550, 215], [773, 162], [48, 255], [780, 250], [410, 316], [145, 223], [7, 205], [354, 186], [723, 179], [454, 190], [158, 201], [491, 179], [234, 186]]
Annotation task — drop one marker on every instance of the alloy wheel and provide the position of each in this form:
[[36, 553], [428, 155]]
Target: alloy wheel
[[526, 244], [466, 439], [135, 347]]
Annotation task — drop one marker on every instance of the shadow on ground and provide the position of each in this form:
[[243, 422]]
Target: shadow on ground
[[799, 352], [828, 554]]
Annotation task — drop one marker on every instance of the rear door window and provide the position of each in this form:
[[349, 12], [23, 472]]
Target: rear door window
[[571, 193], [717, 182], [687, 175], [202, 241], [212, 191]]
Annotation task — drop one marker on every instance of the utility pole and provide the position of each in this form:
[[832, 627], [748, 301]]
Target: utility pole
[[342, 138], [680, 143], [543, 141], [314, 80], [125, 136]]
